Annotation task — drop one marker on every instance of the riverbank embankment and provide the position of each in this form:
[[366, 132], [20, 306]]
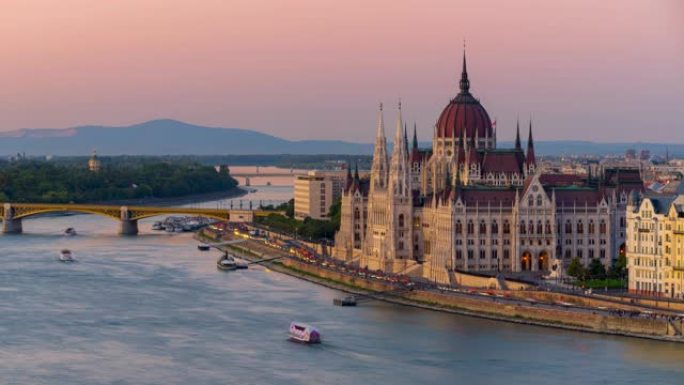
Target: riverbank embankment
[[518, 307]]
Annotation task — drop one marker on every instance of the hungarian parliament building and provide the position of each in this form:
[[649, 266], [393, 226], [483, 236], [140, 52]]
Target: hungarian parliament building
[[466, 205]]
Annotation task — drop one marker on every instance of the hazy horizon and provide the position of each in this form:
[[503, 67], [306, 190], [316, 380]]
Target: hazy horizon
[[605, 72]]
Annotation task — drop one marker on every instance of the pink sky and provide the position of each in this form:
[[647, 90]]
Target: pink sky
[[596, 70]]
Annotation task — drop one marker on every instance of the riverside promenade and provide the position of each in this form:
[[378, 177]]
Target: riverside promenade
[[532, 306]]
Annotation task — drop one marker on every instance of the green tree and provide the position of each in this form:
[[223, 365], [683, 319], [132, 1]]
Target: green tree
[[42, 181], [619, 268], [576, 269], [596, 269], [336, 213], [289, 208]]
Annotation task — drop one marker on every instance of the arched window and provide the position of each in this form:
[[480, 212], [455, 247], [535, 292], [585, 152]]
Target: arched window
[[530, 200], [592, 228], [459, 227], [401, 220], [568, 227], [539, 227], [495, 227], [602, 226], [357, 214], [539, 200], [522, 227], [506, 227], [547, 228], [530, 227], [471, 227], [483, 227], [580, 227]]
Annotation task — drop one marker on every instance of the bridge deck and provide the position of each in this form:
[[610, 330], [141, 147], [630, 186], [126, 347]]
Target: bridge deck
[[20, 210]]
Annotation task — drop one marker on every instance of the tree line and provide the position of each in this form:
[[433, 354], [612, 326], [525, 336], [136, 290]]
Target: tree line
[[309, 228], [43, 181]]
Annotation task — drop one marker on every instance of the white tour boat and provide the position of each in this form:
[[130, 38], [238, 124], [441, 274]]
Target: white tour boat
[[226, 263], [307, 334]]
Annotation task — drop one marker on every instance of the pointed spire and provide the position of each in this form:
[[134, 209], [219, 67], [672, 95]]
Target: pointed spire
[[462, 149], [464, 83], [530, 147], [415, 136], [380, 132], [379, 167], [398, 135], [405, 137], [398, 167], [517, 136], [356, 172], [349, 180]]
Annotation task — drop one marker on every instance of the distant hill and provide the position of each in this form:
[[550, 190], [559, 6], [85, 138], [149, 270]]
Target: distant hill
[[171, 137], [164, 137]]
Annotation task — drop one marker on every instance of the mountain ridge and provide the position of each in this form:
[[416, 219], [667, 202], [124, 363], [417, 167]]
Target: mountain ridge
[[173, 137]]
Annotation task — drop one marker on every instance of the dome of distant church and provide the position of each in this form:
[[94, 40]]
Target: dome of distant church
[[464, 112]]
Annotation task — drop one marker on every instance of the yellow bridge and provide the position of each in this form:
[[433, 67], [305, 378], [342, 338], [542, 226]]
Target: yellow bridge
[[12, 213]]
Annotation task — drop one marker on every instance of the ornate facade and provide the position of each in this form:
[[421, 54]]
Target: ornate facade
[[655, 245], [467, 205]]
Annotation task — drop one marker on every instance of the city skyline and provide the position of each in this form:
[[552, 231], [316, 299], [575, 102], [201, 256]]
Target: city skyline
[[318, 70]]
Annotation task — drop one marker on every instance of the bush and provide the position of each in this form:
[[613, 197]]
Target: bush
[[576, 269], [596, 269]]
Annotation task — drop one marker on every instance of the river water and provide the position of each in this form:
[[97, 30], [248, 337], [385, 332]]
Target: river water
[[152, 309]]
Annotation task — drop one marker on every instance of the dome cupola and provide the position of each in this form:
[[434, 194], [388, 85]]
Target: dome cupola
[[465, 115]]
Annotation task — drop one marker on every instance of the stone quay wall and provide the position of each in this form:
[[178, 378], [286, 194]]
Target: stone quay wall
[[490, 307]]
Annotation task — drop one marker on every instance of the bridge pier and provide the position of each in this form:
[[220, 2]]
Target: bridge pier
[[11, 226], [128, 227]]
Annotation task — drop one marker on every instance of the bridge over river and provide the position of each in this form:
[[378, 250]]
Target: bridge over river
[[12, 214]]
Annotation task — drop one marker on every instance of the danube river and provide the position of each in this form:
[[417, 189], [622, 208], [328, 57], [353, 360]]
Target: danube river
[[152, 309]]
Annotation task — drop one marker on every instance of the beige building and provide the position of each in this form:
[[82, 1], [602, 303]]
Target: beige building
[[655, 245], [468, 205], [316, 191]]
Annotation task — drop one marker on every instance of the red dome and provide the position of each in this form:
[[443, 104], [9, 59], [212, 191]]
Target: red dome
[[464, 112]]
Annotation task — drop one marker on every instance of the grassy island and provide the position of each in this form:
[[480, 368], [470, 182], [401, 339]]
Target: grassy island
[[42, 181]]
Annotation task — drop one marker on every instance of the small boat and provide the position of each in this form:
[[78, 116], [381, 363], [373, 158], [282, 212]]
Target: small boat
[[304, 333], [241, 265], [203, 247], [178, 229], [157, 226], [70, 231], [226, 263], [66, 256], [168, 228], [346, 301]]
